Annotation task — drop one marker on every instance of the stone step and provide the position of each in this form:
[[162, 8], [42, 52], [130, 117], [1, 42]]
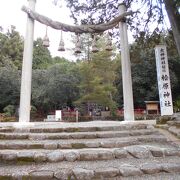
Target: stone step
[[76, 135], [158, 176], [93, 170], [175, 130], [174, 123], [120, 127], [80, 143], [90, 154]]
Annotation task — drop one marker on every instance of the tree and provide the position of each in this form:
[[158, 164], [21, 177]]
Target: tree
[[144, 73], [85, 43], [95, 12], [11, 47], [173, 11], [41, 55], [10, 85], [97, 78], [55, 87]]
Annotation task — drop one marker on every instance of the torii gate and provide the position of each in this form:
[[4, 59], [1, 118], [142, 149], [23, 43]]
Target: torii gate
[[26, 77]]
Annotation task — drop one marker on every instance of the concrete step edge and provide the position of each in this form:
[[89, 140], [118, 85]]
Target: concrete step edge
[[76, 135], [134, 151], [77, 129], [78, 173], [91, 143]]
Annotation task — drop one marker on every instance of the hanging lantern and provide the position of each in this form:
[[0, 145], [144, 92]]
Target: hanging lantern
[[78, 45], [46, 40], [109, 44], [61, 44], [94, 45]]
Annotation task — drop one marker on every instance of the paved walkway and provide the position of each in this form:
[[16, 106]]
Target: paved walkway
[[79, 124]]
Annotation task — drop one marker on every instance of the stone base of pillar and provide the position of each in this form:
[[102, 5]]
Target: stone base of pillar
[[22, 125]]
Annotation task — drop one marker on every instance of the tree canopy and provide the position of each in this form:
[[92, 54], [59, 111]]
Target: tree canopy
[[58, 82], [150, 13]]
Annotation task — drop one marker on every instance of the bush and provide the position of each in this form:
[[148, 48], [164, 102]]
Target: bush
[[69, 119], [177, 105], [85, 118], [163, 119], [140, 117], [114, 118], [33, 111], [9, 110], [8, 119]]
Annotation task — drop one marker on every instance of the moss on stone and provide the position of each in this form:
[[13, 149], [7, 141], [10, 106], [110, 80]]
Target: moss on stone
[[78, 145], [21, 163], [5, 178], [25, 159], [72, 177], [71, 129], [26, 178], [35, 146], [163, 119], [2, 136]]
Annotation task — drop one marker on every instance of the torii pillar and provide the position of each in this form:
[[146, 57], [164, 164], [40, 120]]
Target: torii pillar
[[126, 69], [26, 77]]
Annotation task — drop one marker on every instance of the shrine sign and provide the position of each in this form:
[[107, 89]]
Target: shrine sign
[[163, 77]]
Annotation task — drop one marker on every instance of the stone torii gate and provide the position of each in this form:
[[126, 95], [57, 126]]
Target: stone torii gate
[[26, 78]]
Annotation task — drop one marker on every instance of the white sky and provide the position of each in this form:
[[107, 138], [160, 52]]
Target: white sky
[[11, 14]]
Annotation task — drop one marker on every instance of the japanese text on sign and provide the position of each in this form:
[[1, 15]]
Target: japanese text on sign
[[163, 80]]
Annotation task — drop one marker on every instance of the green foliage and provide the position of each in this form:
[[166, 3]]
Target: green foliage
[[41, 55], [144, 73], [33, 109], [97, 77], [163, 119], [177, 104], [9, 110], [11, 47], [8, 119], [10, 86], [85, 118], [149, 15], [55, 86]]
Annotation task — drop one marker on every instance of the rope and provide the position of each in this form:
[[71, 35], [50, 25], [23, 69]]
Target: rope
[[79, 29]]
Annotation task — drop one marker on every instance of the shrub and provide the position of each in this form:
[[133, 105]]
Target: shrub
[[9, 110], [33, 111], [163, 119], [8, 119], [85, 118], [114, 118], [68, 119]]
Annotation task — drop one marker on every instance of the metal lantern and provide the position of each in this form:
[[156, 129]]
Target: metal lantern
[[46, 39], [109, 44], [94, 45], [78, 45], [61, 44]]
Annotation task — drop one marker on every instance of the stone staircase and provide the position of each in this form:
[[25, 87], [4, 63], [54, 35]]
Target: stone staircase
[[85, 151], [172, 125]]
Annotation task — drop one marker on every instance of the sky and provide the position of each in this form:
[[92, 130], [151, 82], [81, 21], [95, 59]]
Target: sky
[[11, 14]]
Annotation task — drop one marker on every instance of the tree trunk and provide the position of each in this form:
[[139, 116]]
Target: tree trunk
[[174, 18]]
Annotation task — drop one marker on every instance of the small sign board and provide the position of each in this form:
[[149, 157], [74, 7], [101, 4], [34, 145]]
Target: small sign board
[[163, 77], [58, 115]]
